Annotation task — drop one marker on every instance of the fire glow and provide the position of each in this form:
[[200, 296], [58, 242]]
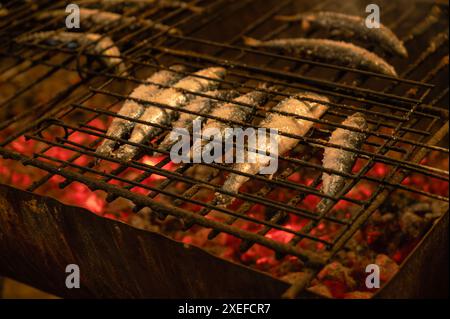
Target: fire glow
[[224, 245]]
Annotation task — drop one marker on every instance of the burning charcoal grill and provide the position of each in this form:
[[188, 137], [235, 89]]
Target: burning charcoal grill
[[55, 141]]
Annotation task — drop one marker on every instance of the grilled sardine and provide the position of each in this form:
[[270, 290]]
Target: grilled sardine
[[350, 26], [344, 53], [282, 123], [201, 81], [133, 109], [231, 111], [89, 17], [341, 160], [95, 44], [201, 105]]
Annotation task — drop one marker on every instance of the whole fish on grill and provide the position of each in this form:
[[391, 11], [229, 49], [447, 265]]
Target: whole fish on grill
[[341, 160], [134, 109], [174, 4], [344, 53], [201, 81], [90, 17], [231, 111], [350, 26], [92, 42], [200, 104], [313, 108]]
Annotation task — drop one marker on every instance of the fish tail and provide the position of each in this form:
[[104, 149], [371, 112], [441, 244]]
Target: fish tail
[[126, 152], [232, 185], [223, 200], [251, 42], [106, 147], [166, 145], [323, 204]]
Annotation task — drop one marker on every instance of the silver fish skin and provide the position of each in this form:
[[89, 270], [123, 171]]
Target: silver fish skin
[[174, 4], [351, 26], [89, 17], [95, 43], [133, 109], [282, 123], [330, 51], [173, 97], [201, 105], [341, 160], [230, 111]]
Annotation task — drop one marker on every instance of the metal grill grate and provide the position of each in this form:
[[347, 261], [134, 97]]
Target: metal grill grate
[[407, 117]]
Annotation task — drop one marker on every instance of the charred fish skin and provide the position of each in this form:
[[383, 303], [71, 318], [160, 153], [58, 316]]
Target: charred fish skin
[[313, 108], [344, 53], [201, 105], [341, 160], [349, 26], [89, 17], [133, 109], [233, 112], [201, 81], [94, 42]]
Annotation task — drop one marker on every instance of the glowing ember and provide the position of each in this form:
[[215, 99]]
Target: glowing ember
[[340, 279]]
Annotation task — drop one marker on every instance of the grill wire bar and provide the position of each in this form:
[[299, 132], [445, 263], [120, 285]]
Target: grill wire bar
[[415, 125]]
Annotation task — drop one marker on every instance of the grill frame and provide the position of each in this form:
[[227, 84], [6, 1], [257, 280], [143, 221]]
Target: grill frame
[[35, 129]]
